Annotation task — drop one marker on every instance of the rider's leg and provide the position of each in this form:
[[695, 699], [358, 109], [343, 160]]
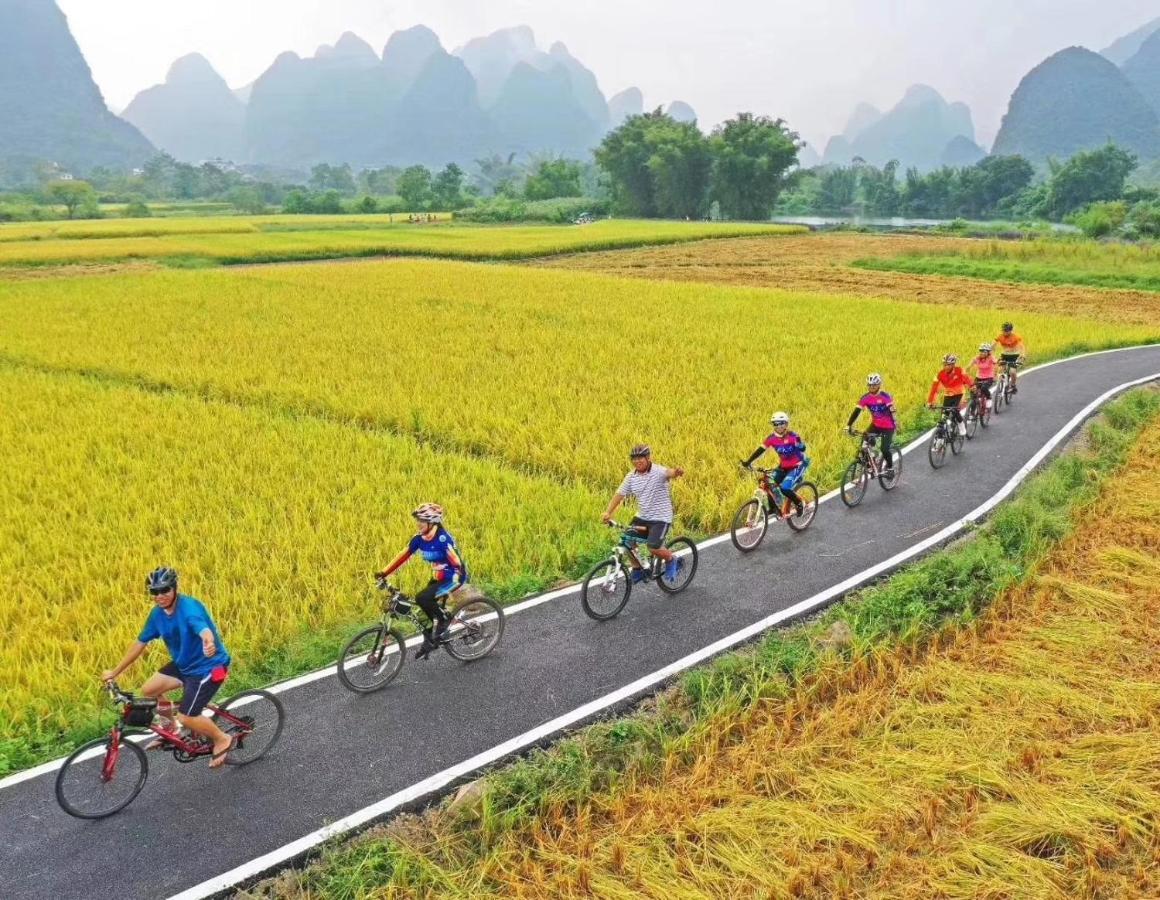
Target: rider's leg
[[786, 479], [657, 532], [157, 686], [885, 445], [428, 601], [952, 403], [197, 693]]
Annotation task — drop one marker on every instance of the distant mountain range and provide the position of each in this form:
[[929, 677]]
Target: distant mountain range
[[414, 103]]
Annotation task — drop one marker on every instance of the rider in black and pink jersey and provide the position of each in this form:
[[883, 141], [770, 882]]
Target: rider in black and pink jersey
[[883, 417]]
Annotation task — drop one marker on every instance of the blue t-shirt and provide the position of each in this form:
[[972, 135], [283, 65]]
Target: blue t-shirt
[[435, 551], [181, 633]]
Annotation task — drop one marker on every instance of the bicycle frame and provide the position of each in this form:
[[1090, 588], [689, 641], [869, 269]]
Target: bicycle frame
[[866, 453], [192, 747]]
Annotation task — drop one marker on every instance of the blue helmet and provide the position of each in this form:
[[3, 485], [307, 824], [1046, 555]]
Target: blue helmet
[[161, 580]]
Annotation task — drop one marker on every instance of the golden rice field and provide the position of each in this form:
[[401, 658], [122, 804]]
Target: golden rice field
[[1021, 761], [549, 373], [275, 520], [266, 239], [823, 263]]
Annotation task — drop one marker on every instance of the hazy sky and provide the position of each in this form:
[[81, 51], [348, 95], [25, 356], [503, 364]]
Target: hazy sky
[[808, 61]]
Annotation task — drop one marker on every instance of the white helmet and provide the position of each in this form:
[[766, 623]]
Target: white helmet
[[950, 359], [779, 418], [985, 348], [429, 513], [873, 380]]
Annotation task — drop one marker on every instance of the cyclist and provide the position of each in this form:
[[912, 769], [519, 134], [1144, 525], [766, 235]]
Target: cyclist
[[984, 366], [1013, 352], [198, 662], [953, 381], [448, 572], [883, 416], [792, 460], [650, 484]]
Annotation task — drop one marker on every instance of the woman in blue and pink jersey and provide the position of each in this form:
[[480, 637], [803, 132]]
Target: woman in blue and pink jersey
[[883, 418], [792, 461]]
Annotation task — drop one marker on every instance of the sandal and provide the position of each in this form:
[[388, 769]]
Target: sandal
[[216, 756]]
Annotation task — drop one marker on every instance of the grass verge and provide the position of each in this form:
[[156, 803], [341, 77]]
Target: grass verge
[[790, 678]]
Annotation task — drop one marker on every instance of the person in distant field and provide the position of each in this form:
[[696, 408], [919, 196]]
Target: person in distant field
[[883, 416], [199, 662], [984, 368], [792, 460], [953, 382], [651, 484], [1013, 351], [448, 571]]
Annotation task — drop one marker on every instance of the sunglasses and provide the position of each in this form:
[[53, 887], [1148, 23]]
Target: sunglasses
[[159, 592]]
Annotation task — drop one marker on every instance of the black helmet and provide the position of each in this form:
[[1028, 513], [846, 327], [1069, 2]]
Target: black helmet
[[1008, 326], [640, 451], [161, 580]]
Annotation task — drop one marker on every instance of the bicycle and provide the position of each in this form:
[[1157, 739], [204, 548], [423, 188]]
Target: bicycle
[[1004, 390], [103, 776], [868, 463], [606, 590], [373, 657], [978, 413], [752, 520], [946, 433]]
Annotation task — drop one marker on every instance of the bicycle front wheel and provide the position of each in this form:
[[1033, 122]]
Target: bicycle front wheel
[[260, 719], [371, 660], [101, 778], [475, 629], [605, 591], [808, 493], [888, 478], [749, 526], [686, 552], [854, 483]]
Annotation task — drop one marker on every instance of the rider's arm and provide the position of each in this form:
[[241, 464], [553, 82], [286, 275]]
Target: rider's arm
[[675, 473], [131, 656], [399, 560], [933, 392], [755, 455], [454, 560], [613, 506]]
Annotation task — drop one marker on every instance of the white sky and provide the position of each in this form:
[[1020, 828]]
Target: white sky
[[808, 61]]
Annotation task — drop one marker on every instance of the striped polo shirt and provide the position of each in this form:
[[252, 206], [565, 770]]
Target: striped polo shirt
[[652, 493]]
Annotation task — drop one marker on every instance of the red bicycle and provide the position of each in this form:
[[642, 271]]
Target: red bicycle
[[105, 775]]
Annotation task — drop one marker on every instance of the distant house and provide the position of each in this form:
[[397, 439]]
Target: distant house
[[64, 176]]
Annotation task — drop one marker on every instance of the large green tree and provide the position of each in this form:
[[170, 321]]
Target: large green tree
[[447, 188], [554, 178], [414, 186], [73, 195], [751, 158], [657, 166], [1088, 177]]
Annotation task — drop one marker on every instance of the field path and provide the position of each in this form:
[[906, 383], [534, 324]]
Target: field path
[[345, 759]]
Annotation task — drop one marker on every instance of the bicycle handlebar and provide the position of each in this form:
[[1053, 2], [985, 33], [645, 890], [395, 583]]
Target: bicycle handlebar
[[115, 693]]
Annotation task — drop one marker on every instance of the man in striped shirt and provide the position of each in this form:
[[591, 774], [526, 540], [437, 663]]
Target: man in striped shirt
[[649, 483]]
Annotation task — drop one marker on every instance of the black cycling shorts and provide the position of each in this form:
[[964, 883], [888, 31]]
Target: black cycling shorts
[[657, 531], [197, 690], [1009, 358]]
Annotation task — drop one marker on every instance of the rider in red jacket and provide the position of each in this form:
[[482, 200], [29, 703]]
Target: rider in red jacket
[[953, 382]]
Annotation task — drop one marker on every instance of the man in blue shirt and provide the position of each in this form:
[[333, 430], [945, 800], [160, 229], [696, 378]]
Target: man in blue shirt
[[198, 662]]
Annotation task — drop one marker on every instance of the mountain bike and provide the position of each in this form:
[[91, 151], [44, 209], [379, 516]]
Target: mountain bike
[[977, 413], [606, 590], [373, 657], [752, 520], [103, 776], [1004, 390], [868, 463], [946, 433]]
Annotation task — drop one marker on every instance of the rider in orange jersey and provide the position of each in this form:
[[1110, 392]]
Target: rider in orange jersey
[[953, 382], [1012, 349]]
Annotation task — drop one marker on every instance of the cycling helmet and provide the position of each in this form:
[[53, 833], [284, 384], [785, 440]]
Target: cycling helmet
[[985, 348], [1008, 327], [874, 380], [779, 418], [161, 580], [640, 451], [950, 359], [429, 513]]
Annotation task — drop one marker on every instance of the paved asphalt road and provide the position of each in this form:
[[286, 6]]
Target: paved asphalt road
[[341, 752]]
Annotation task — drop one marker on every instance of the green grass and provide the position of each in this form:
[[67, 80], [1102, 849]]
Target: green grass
[[947, 590], [1061, 262], [237, 240]]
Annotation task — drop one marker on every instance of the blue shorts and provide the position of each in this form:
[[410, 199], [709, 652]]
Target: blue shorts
[[788, 479], [197, 690]]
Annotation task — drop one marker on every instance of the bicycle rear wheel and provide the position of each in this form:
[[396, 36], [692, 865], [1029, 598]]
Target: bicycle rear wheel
[[888, 478], [971, 420], [749, 526], [476, 628], [985, 412], [686, 552], [854, 483], [371, 660], [101, 779], [997, 397], [808, 493], [262, 716], [605, 591], [937, 451], [957, 440]]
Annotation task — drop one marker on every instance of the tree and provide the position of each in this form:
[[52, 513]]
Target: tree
[[880, 188], [73, 195], [414, 186], [554, 178], [447, 188], [247, 199], [656, 166], [751, 158], [1088, 177], [324, 177], [838, 189]]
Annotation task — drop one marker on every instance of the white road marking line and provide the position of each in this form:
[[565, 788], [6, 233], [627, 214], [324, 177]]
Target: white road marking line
[[568, 590], [440, 780]]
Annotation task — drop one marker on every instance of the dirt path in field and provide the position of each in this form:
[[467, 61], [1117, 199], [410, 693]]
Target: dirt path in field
[[821, 263]]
